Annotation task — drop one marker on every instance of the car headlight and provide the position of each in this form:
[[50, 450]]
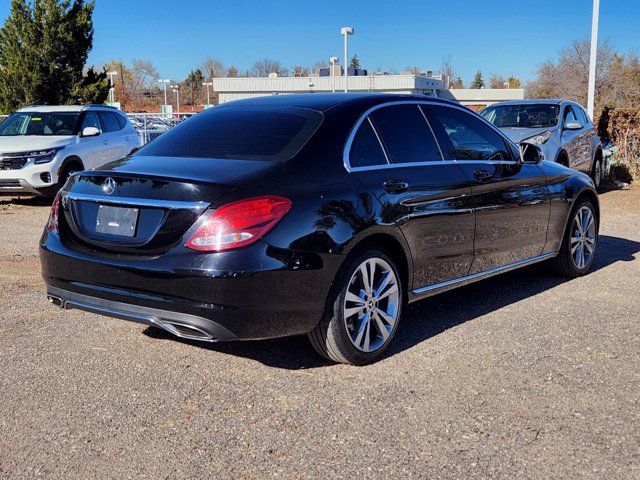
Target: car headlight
[[43, 156], [539, 139]]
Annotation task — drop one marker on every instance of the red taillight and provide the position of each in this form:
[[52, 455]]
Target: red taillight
[[239, 223], [52, 223]]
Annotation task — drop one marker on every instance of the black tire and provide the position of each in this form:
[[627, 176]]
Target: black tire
[[331, 337], [596, 172], [564, 263]]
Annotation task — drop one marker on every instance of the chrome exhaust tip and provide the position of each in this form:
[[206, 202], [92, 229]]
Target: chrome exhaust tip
[[57, 301]]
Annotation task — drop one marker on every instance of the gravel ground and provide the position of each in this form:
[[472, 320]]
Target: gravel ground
[[520, 376]]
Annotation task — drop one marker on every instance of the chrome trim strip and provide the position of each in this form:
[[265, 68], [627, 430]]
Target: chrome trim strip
[[143, 202], [375, 132], [354, 130], [429, 290]]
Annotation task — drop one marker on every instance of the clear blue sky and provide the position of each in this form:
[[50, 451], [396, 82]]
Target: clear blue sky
[[499, 36]]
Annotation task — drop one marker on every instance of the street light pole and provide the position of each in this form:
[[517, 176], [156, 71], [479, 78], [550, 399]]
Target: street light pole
[[332, 61], [208, 84], [165, 90], [346, 31], [112, 96], [591, 97], [176, 90]]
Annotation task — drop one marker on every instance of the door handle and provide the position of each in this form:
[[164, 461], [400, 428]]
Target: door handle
[[395, 186], [482, 175]]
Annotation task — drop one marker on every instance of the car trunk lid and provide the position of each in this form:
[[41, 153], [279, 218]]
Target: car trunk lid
[[130, 208]]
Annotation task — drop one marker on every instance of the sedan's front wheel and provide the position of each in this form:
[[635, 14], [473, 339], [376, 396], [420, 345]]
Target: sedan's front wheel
[[363, 311]]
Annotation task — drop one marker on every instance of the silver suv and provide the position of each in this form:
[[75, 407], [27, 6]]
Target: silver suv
[[561, 128], [40, 146]]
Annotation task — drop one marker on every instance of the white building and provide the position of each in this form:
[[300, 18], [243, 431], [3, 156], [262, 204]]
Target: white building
[[229, 89]]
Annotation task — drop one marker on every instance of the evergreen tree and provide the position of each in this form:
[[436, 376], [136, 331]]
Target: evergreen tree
[[478, 81], [193, 85], [44, 46], [355, 62]]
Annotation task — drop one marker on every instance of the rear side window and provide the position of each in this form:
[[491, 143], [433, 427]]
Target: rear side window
[[109, 122], [121, 121], [406, 134], [469, 137], [366, 150], [242, 132]]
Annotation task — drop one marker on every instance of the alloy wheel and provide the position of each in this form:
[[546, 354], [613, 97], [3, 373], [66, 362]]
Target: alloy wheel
[[371, 304], [583, 238], [597, 174]]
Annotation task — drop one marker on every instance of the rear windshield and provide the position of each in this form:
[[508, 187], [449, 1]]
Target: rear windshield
[[249, 133], [522, 116]]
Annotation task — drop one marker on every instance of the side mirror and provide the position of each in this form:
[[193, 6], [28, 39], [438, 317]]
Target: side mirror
[[572, 126], [530, 153], [90, 132]]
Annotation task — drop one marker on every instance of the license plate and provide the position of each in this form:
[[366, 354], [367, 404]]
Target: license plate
[[117, 221]]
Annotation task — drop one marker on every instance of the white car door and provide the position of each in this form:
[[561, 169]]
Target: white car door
[[113, 135], [92, 149]]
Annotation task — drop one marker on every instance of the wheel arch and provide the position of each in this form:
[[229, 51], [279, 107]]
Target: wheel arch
[[393, 246], [70, 160], [562, 153]]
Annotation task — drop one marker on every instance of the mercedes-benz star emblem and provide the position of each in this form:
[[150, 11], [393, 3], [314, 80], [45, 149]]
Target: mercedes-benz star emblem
[[109, 186]]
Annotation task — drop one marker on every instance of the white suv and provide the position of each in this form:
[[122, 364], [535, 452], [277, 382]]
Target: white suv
[[41, 146]]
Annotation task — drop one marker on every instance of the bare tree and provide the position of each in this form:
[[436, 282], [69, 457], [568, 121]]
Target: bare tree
[[262, 68], [300, 71], [497, 81], [136, 85], [212, 68], [315, 68], [568, 76], [232, 72]]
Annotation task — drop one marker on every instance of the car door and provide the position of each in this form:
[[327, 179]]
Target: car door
[[395, 155], [572, 140], [92, 150], [510, 198], [112, 139], [587, 136]]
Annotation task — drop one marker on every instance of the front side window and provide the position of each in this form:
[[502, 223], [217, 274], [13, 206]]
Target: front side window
[[469, 137], [366, 150], [569, 116], [406, 134], [91, 120], [39, 123]]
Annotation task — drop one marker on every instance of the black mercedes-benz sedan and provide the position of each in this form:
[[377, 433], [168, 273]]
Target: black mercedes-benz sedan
[[309, 214]]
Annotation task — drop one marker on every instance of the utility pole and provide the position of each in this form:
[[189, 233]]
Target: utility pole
[[591, 98]]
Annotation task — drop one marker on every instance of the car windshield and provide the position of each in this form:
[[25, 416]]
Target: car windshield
[[39, 123], [242, 132], [522, 116]]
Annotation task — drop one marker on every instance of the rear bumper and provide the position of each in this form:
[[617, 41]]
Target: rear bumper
[[253, 293], [179, 324]]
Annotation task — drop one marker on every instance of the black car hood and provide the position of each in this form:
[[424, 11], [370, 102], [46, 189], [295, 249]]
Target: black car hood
[[204, 170]]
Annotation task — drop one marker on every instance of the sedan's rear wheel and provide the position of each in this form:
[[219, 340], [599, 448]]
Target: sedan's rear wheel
[[363, 315], [579, 244]]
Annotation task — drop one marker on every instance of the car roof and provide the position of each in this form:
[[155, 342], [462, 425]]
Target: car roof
[[325, 101], [532, 101], [64, 108]]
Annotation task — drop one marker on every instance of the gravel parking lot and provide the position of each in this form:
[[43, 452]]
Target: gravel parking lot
[[520, 376]]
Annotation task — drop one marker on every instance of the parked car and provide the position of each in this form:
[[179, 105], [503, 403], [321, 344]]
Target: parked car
[[562, 129], [311, 214], [41, 146]]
